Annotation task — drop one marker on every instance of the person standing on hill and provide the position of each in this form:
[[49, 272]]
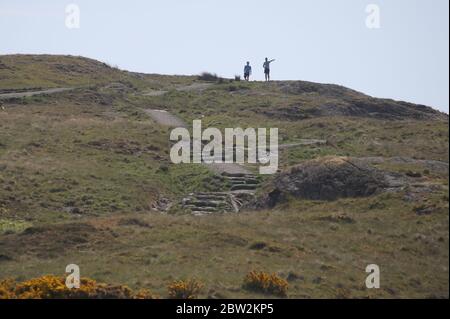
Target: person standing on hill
[[266, 67], [247, 71]]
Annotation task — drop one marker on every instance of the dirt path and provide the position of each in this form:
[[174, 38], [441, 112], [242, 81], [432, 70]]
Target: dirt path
[[228, 168], [31, 93], [197, 87], [155, 93], [165, 118]]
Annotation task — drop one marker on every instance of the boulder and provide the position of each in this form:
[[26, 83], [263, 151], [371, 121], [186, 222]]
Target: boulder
[[326, 178]]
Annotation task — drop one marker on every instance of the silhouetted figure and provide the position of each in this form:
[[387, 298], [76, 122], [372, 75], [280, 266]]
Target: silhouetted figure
[[266, 67], [247, 71]]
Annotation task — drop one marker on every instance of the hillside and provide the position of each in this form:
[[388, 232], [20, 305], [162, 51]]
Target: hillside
[[25, 72], [85, 177]]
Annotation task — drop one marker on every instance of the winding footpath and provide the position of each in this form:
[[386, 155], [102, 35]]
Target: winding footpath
[[11, 95]]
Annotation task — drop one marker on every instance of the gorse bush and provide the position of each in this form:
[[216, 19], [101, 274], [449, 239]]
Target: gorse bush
[[260, 281], [185, 289], [6, 289], [53, 287]]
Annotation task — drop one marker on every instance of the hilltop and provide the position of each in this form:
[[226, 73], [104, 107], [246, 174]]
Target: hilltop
[[31, 72], [26, 72], [85, 177]]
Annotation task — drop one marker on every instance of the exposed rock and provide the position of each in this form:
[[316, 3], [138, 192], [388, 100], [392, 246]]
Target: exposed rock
[[162, 204], [258, 246], [5, 258], [340, 101], [72, 210], [425, 209], [328, 178]]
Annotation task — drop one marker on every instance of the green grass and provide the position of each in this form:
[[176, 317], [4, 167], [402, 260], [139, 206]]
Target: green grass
[[13, 226], [60, 154], [95, 149], [411, 250], [49, 71]]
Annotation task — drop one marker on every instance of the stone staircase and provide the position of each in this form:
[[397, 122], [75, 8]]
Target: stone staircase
[[241, 181], [242, 184], [242, 188]]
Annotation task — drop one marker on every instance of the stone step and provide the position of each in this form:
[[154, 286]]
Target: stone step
[[244, 181], [245, 178], [190, 206], [204, 209], [225, 174], [243, 187], [210, 197], [210, 193], [243, 191], [204, 203], [198, 213]]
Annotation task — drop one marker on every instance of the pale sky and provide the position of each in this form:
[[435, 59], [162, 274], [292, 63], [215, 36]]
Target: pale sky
[[325, 41]]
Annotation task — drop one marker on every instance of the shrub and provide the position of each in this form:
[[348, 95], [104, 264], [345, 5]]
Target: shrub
[[209, 77], [232, 88], [6, 289], [185, 289], [163, 168], [53, 287], [263, 282], [144, 294]]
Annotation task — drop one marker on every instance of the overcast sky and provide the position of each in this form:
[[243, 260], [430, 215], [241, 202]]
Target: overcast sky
[[326, 41]]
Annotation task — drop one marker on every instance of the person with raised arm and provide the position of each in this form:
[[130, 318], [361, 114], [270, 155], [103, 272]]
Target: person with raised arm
[[266, 67]]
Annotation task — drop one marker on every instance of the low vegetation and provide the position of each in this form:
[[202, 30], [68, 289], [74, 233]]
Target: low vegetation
[[262, 282], [209, 77], [52, 287], [85, 178], [185, 289]]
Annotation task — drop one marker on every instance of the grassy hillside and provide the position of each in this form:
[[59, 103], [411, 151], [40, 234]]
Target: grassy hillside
[[84, 175], [48, 71]]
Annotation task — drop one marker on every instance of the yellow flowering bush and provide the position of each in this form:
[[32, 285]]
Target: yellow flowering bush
[[6, 289], [188, 289], [260, 281], [53, 287]]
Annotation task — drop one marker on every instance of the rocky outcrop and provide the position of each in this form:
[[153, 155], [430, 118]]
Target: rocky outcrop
[[334, 100], [327, 178]]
